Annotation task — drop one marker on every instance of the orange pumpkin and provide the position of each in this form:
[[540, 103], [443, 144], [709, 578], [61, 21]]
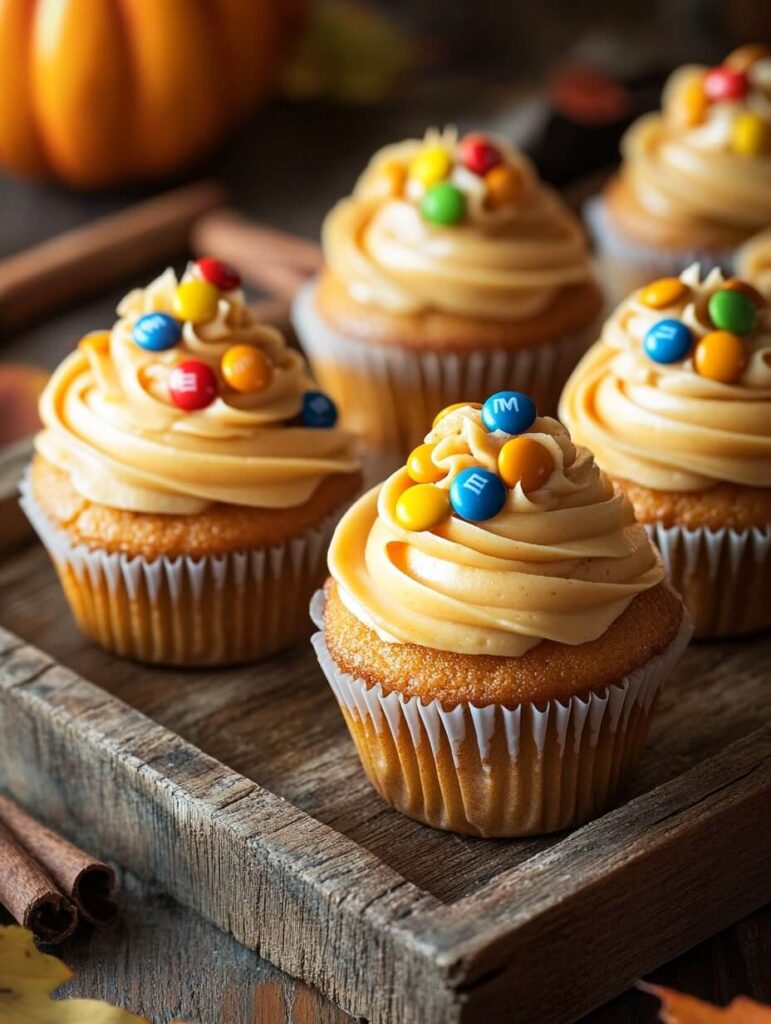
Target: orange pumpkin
[[101, 91]]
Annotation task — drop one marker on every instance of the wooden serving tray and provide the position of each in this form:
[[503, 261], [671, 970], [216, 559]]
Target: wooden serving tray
[[240, 792]]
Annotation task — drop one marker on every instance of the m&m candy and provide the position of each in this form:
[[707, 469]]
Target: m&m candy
[[510, 411], [420, 466], [478, 154], [668, 341], [525, 461], [431, 165], [220, 274], [422, 507], [477, 494], [318, 410], [664, 292], [156, 332], [451, 408], [720, 355], [196, 301], [192, 385], [505, 187], [750, 135], [725, 83], [246, 368], [732, 310], [443, 203]]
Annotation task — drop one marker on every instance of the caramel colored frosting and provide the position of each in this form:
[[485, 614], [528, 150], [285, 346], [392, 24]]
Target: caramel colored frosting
[[665, 426], [560, 563], [110, 424], [753, 261], [502, 263]]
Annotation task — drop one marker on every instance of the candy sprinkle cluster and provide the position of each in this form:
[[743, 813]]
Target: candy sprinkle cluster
[[476, 493]]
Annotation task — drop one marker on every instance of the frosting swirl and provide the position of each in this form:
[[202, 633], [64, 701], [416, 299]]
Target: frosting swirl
[[665, 426], [504, 262], [109, 421], [559, 563]]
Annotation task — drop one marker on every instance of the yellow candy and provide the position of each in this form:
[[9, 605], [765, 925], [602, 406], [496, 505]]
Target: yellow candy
[[504, 186], [422, 507], [720, 355], [432, 164], [451, 408], [96, 341], [751, 135], [246, 368], [525, 461], [420, 466], [196, 301], [664, 292], [690, 105]]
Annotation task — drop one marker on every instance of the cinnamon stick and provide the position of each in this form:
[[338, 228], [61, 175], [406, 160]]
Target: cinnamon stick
[[86, 881], [28, 892]]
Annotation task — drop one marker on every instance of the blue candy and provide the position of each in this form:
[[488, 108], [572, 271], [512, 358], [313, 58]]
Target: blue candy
[[510, 411], [318, 410], [157, 331], [668, 341], [477, 494]]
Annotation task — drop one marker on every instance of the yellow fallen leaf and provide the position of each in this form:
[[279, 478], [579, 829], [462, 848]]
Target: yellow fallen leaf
[[678, 1008]]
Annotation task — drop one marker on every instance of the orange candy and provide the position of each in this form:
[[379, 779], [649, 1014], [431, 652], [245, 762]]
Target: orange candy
[[664, 292], [420, 466], [246, 369], [743, 57], [721, 356], [504, 187], [451, 408], [525, 461], [690, 105]]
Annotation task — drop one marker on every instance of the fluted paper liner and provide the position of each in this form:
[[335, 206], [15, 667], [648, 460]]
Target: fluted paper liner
[[494, 770], [214, 610], [389, 395], [723, 576]]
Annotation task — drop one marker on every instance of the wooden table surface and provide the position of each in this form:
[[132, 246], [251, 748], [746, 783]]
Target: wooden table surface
[[161, 959]]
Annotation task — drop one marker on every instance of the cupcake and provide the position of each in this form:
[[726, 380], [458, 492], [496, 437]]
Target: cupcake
[[188, 477], [675, 402], [753, 262], [451, 272], [496, 627], [695, 180]]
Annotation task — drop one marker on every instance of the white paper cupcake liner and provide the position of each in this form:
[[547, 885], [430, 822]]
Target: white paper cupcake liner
[[213, 610], [723, 576], [498, 771]]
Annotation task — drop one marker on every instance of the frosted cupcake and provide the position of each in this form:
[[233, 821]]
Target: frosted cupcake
[[695, 180], [497, 627], [675, 402], [188, 477], [451, 272]]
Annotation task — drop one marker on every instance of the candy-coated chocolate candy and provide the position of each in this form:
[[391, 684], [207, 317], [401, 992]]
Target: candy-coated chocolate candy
[[246, 368], [196, 301], [525, 461], [389, 179], [510, 411], [724, 83], [443, 203], [668, 341], [192, 385], [743, 57], [422, 507], [156, 331], [504, 187], [220, 274], [421, 467], [732, 310], [721, 356], [750, 135], [431, 165], [95, 341], [477, 494], [318, 410], [664, 292], [689, 106], [451, 408], [478, 154], [737, 285]]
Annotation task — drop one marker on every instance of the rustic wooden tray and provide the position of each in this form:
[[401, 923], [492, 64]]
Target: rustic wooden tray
[[241, 793]]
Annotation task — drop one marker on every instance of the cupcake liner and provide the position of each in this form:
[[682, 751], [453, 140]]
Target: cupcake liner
[[389, 395], [214, 610], [498, 771], [722, 575]]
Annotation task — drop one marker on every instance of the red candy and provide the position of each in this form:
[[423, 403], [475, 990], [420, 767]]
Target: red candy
[[479, 155], [220, 274], [725, 83], [192, 385]]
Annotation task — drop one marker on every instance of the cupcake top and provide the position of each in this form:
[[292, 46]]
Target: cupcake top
[[497, 534], [676, 395], [705, 158], [187, 401], [461, 226]]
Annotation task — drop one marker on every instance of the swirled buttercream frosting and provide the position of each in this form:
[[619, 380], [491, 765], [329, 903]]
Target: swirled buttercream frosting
[[560, 560], [188, 401], [460, 226], [690, 423]]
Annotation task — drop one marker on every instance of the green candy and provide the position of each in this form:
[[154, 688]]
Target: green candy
[[443, 203], [732, 311]]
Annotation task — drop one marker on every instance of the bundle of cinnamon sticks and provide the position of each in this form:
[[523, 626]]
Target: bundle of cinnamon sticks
[[46, 883]]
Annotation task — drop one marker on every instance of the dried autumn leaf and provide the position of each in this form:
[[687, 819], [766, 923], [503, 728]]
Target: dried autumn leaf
[[678, 1008]]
